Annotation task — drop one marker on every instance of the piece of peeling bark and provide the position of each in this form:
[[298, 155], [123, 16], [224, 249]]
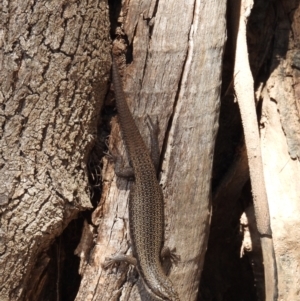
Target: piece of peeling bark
[[244, 88]]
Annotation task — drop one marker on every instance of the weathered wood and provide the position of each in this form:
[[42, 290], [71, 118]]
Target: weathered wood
[[244, 89], [280, 147], [277, 90], [54, 69], [175, 78]]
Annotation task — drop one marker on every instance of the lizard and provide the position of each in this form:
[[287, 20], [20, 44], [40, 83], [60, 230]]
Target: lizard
[[146, 206]]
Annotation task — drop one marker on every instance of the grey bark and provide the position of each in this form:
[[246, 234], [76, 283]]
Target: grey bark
[[174, 77], [54, 66]]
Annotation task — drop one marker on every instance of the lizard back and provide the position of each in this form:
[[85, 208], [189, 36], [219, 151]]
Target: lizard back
[[146, 204]]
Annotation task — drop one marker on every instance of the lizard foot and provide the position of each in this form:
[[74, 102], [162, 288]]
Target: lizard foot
[[168, 253], [112, 261]]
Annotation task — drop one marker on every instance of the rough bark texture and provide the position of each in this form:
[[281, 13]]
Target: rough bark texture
[[54, 66], [174, 77], [54, 69]]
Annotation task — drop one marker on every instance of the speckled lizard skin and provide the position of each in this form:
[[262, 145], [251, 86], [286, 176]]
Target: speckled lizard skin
[[146, 204]]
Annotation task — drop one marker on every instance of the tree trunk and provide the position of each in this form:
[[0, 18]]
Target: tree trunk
[[172, 76], [55, 65], [55, 62], [281, 146], [272, 36]]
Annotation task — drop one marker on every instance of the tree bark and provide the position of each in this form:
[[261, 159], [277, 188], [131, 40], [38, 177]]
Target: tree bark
[[174, 77], [55, 64], [280, 134], [272, 37], [54, 69], [244, 91]]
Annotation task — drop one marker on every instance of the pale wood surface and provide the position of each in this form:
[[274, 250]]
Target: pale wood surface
[[174, 77], [280, 134]]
